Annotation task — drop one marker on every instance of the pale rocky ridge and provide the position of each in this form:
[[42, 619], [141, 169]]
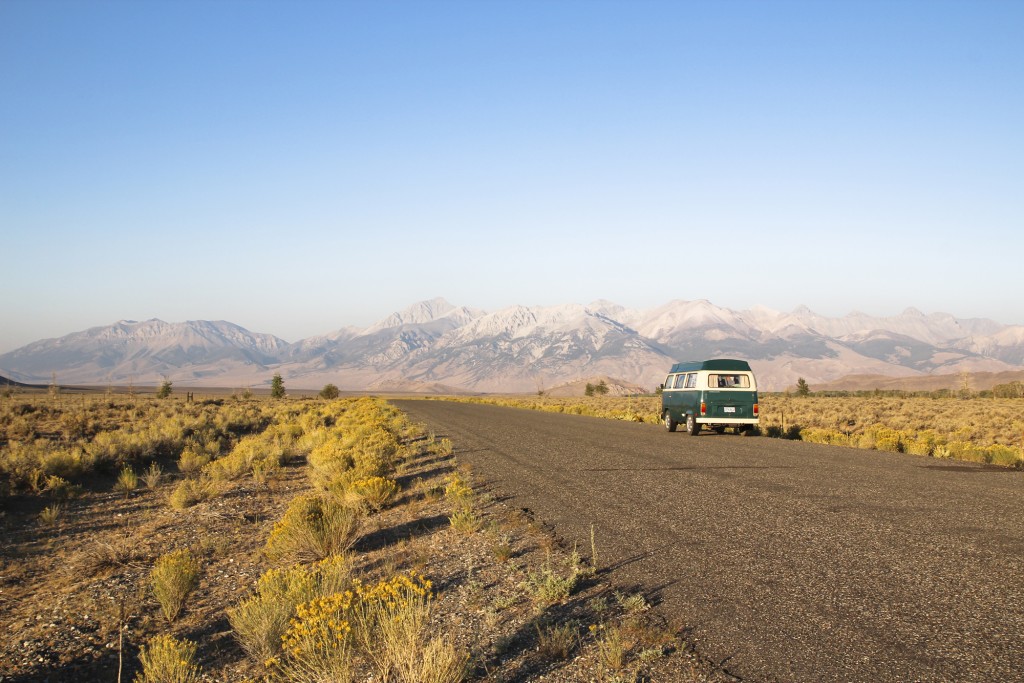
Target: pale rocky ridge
[[435, 345]]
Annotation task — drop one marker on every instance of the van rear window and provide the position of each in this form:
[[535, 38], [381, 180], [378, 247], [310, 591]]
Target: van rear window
[[729, 381]]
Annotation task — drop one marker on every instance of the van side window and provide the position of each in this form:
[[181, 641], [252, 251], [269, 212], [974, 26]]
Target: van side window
[[691, 380], [669, 382]]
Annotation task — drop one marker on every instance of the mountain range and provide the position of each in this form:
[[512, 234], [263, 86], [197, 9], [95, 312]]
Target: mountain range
[[437, 346]]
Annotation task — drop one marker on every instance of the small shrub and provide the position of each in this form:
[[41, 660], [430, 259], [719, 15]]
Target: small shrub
[[440, 662], [632, 604], [1006, 456], [265, 470], [174, 576], [376, 492], [502, 549], [329, 392], [127, 481], [313, 528], [188, 492], [166, 659], [61, 488], [549, 587], [329, 462], [611, 647], [51, 514], [465, 521], [153, 475], [458, 492], [443, 447], [191, 460], [556, 641]]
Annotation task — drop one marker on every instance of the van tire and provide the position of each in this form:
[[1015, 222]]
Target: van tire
[[670, 424], [692, 428]]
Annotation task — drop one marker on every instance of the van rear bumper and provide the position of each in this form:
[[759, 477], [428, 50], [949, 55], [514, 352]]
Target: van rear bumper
[[727, 421]]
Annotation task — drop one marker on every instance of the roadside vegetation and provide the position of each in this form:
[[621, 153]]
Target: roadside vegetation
[[287, 539], [975, 427]]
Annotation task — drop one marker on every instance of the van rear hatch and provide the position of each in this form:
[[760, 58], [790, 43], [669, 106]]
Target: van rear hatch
[[730, 404]]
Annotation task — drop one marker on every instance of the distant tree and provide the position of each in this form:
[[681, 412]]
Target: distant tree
[[601, 388], [277, 386], [589, 391], [1012, 390], [329, 391], [801, 387], [165, 389]]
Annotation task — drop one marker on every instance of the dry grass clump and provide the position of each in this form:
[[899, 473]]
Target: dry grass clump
[[313, 528], [165, 659], [174, 576]]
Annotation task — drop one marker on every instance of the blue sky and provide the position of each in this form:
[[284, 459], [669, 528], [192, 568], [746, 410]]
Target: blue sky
[[296, 167]]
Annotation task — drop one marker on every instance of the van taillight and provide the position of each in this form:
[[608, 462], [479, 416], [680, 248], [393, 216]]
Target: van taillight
[[703, 408], [755, 410]]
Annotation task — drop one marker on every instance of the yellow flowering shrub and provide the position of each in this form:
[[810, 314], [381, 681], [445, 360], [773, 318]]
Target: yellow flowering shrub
[[261, 620], [165, 659], [318, 643], [313, 527]]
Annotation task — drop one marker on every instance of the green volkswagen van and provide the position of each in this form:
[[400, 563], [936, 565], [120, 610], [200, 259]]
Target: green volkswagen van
[[716, 393]]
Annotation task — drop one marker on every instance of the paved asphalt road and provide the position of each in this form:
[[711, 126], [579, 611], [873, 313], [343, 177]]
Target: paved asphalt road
[[790, 561]]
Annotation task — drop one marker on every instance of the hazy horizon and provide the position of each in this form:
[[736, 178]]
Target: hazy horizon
[[299, 167]]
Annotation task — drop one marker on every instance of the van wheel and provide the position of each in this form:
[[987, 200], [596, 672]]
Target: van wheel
[[692, 428], [670, 424]]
